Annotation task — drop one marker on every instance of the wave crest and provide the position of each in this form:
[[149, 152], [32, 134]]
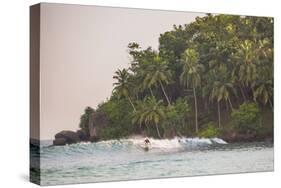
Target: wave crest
[[179, 142]]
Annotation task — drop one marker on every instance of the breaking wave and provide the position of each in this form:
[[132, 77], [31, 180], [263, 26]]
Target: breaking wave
[[177, 143]]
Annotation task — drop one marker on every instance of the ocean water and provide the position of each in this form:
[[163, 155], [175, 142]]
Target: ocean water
[[127, 160]]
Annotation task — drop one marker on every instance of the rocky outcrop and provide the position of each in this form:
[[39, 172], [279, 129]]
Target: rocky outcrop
[[67, 137], [83, 136], [59, 142], [97, 121]]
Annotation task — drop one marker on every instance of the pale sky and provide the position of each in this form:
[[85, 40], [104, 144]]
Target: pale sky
[[82, 47]]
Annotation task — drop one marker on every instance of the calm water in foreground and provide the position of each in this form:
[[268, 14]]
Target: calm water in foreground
[[125, 160]]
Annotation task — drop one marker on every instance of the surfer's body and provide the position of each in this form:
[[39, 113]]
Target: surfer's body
[[147, 144]]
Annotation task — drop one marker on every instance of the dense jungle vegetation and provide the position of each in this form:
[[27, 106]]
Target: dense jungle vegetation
[[208, 78]]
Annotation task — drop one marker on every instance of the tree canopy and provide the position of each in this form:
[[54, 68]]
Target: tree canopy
[[207, 69]]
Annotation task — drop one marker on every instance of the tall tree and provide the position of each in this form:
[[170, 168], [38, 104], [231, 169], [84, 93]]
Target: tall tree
[[191, 76], [222, 88], [158, 74], [264, 92], [151, 112], [122, 86]]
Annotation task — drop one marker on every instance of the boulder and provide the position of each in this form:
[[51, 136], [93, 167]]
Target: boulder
[[82, 135], [94, 139], [59, 142], [71, 137], [97, 121]]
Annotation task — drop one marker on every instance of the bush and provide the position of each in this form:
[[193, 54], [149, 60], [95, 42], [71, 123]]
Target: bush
[[119, 119], [176, 116], [247, 118], [111, 133], [210, 131]]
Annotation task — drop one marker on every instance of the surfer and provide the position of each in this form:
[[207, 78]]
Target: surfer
[[146, 141], [146, 144]]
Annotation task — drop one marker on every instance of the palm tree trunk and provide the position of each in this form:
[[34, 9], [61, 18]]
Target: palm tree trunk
[[131, 103], [151, 92], [230, 103], [195, 106], [227, 108], [252, 90], [219, 114], [270, 103], [165, 93], [158, 131], [242, 92], [206, 105], [146, 126]]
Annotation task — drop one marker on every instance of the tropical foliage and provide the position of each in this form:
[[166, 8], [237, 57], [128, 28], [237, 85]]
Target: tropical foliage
[[218, 68], [247, 117], [210, 131]]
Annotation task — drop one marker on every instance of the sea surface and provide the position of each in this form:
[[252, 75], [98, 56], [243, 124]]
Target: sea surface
[[126, 159]]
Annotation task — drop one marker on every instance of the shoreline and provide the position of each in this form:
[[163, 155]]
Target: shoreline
[[36, 142]]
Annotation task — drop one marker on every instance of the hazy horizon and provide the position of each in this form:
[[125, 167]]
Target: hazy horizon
[[82, 47]]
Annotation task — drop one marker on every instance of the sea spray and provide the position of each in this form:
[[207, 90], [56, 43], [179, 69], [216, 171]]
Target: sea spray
[[175, 143], [178, 142]]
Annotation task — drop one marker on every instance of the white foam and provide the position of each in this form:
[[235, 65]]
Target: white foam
[[177, 142], [219, 141], [198, 141]]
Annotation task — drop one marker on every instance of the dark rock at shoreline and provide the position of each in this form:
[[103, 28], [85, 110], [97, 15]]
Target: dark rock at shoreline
[[232, 137], [97, 122], [59, 142], [94, 139], [70, 137], [82, 135]]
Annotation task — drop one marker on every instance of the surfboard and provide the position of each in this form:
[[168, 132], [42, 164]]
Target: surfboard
[[146, 148]]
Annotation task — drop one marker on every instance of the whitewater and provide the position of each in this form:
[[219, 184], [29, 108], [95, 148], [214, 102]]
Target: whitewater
[[125, 159]]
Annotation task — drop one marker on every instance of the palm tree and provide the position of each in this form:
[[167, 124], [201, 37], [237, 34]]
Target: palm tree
[[190, 76], [157, 73], [222, 88], [264, 91], [139, 114], [139, 77], [122, 86], [263, 88], [250, 62], [150, 112], [246, 62]]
